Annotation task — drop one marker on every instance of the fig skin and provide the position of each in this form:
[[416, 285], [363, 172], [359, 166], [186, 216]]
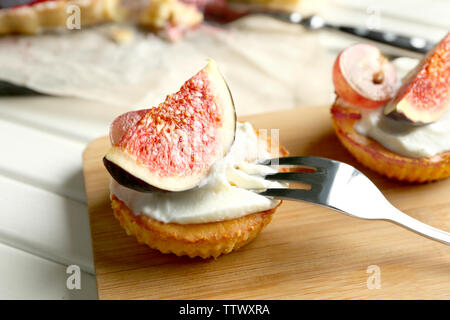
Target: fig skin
[[425, 92], [138, 180], [128, 180]]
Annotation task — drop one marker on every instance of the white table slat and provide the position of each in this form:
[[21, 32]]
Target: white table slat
[[76, 119], [41, 159], [26, 276], [45, 224]]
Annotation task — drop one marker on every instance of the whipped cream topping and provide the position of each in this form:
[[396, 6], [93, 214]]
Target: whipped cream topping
[[403, 138], [227, 193], [414, 141]]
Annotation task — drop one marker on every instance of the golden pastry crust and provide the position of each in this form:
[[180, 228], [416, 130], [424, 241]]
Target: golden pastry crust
[[376, 157], [203, 240], [34, 18]]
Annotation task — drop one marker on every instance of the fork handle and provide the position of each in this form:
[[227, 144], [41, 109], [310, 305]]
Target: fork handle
[[418, 227]]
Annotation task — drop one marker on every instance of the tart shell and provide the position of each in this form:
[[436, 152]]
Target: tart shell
[[204, 240], [376, 157]]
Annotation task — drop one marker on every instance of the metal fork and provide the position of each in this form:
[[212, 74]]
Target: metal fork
[[341, 187]]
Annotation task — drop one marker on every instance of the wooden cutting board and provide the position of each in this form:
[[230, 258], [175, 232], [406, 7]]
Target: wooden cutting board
[[307, 252]]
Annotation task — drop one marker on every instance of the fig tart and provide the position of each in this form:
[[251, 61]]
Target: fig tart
[[185, 176], [399, 129]]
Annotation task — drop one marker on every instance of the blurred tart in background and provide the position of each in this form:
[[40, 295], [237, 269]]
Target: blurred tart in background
[[400, 130], [36, 16], [170, 19]]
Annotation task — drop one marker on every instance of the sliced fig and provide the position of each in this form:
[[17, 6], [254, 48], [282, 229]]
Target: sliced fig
[[172, 147], [363, 77], [425, 92]]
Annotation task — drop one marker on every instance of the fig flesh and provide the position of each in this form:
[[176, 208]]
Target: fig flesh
[[363, 77], [172, 147], [425, 92]]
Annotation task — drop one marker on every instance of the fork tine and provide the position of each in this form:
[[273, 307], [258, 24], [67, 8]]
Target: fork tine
[[316, 162], [311, 178], [341, 182], [290, 194]]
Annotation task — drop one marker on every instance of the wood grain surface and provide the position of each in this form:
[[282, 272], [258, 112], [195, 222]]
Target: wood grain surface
[[307, 252]]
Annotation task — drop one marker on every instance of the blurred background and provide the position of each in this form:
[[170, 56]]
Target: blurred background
[[61, 85]]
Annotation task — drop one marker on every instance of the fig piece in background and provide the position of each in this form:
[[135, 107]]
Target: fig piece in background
[[172, 147], [425, 92], [363, 77]]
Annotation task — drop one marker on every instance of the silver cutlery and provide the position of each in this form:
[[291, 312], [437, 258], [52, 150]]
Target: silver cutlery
[[315, 22], [341, 187]]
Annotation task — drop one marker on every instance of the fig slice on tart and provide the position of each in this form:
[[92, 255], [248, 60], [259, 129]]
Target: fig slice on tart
[[363, 77], [425, 92], [173, 146]]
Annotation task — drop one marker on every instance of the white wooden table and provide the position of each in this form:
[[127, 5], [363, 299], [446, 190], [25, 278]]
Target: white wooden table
[[44, 223]]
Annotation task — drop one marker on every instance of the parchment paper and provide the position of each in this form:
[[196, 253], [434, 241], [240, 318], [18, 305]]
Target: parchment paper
[[269, 65]]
